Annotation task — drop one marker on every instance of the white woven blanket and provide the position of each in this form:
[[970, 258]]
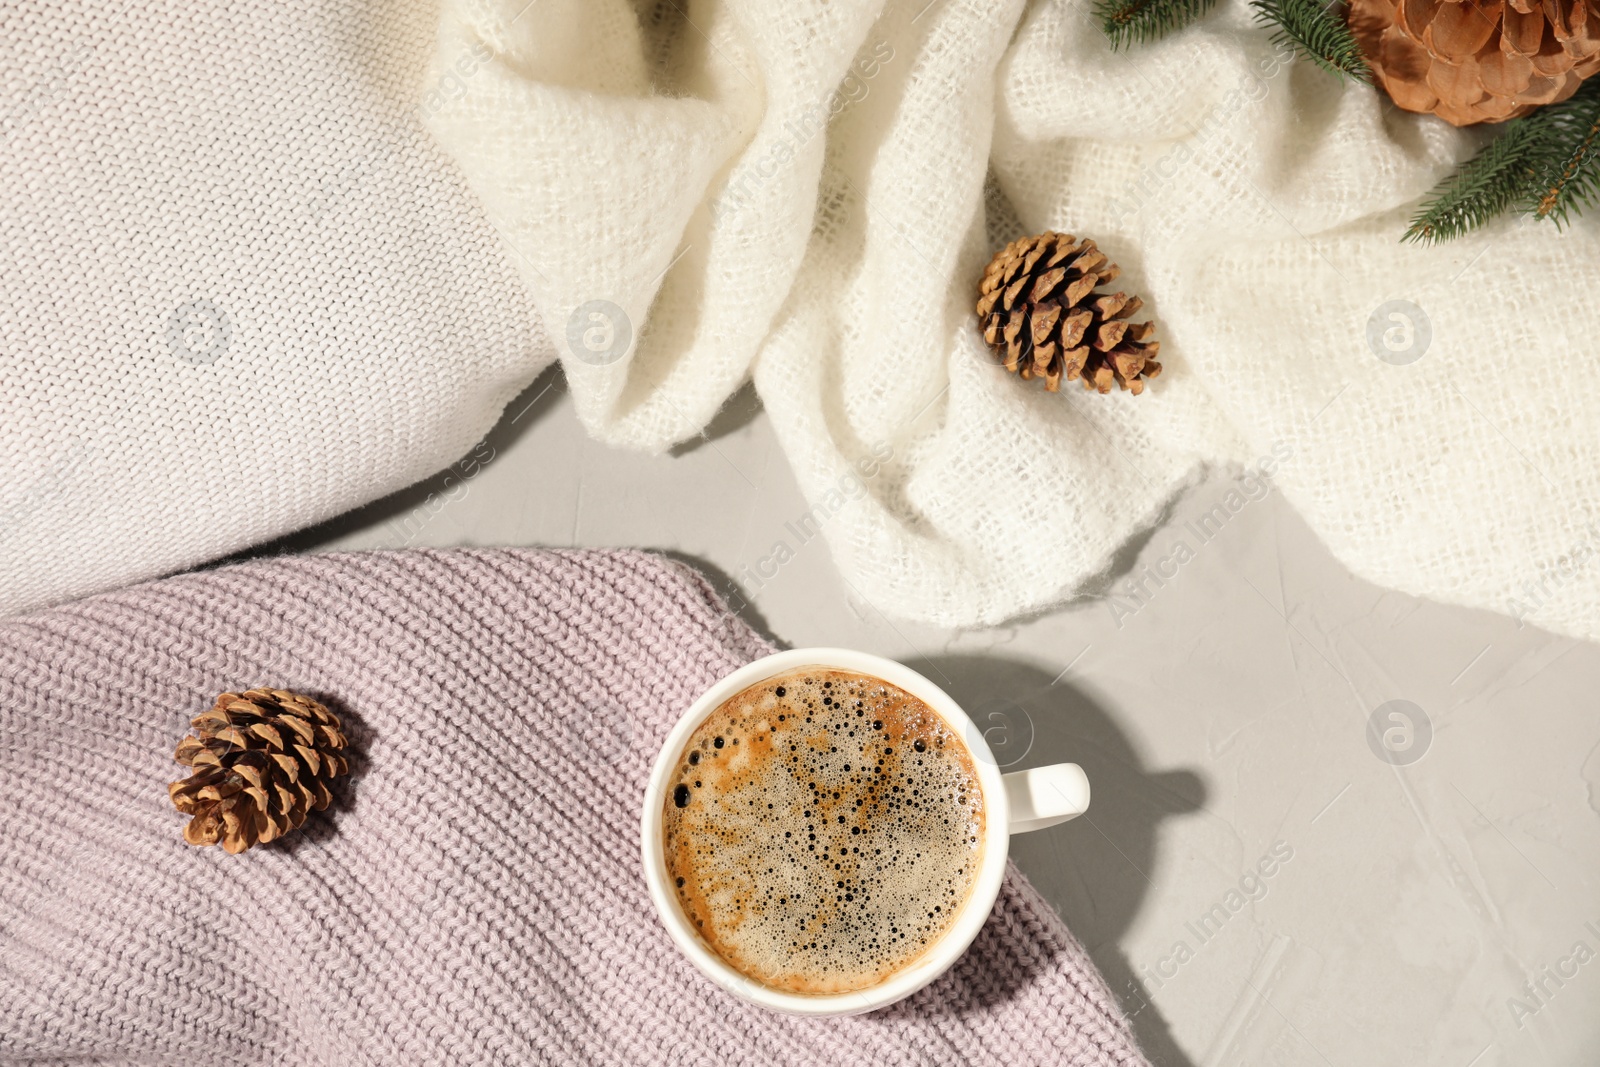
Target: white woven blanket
[[700, 190]]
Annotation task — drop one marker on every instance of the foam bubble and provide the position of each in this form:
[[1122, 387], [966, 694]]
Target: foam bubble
[[823, 829]]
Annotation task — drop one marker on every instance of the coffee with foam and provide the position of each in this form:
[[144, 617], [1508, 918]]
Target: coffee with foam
[[823, 830]]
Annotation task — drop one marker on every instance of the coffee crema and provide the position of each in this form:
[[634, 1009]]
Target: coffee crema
[[823, 829]]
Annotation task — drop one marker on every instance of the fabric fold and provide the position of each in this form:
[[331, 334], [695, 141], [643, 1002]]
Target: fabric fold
[[1251, 200]]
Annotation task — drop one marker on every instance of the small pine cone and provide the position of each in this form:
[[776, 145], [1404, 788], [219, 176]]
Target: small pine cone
[[262, 762], [1042, 317]]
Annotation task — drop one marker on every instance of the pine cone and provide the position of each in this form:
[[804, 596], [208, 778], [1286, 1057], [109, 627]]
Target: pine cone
[[1473, 61], [1041, 316], [262, 761]]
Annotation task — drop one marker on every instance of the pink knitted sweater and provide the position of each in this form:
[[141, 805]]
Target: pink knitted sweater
[[474, 894]]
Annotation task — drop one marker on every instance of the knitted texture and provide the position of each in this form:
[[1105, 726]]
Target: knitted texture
[[244, 289], [795, 190], [474, 893]]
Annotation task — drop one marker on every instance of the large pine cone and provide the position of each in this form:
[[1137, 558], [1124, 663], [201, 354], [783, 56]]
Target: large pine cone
[[1041, 316], [1473, 61], [262, 762]]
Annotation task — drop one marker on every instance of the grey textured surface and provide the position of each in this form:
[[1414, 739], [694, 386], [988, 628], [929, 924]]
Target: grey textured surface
[[1440, 906]]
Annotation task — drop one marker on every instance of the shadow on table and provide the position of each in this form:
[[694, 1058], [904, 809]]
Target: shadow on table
[[519, 416], [1097, 869], [737, 412]]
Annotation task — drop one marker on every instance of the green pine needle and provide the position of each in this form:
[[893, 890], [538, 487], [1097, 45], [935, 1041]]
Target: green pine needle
[[1546, 164], [1483, 187], [1318, 31], [1129, 21], [1570, 181]]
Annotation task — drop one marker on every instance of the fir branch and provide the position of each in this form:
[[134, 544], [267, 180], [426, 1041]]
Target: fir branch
[[1319, 32], [1481, 188], [1569, 180], [1546, 164], [1129, 21]]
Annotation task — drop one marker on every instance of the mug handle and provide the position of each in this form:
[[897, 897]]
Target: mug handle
[[1045, 796]]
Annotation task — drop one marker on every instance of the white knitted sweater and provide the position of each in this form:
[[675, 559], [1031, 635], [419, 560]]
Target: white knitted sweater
[[244, 290]]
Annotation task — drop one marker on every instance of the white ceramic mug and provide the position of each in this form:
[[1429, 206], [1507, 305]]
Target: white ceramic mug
[[1022, 800]]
